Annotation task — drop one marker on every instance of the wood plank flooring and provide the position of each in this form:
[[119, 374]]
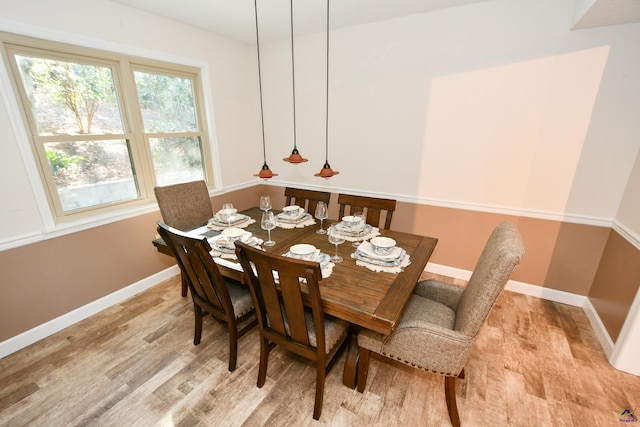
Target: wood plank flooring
[[536, 363]]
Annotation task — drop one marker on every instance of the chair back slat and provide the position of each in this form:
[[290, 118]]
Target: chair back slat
[[202, 274], [307, 199], [371, 207], [280, 303]]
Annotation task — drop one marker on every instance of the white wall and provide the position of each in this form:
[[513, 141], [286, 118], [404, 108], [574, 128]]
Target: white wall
[[230, 73], [492, 105]]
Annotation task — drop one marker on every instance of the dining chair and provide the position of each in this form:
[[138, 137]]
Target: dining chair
[[442, 321], [371, 207], [284, 320], [224, 299], [307, 199], [184, 206]]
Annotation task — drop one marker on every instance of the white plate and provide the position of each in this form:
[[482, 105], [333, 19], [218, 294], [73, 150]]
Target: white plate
[[366, 248]]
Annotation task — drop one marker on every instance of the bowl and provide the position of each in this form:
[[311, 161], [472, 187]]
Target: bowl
[[352, 222], [303, 251], [232, 234], [382, 245], [227, 214], [291, 210]]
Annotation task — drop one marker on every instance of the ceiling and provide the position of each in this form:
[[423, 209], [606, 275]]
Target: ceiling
[[236, 18]]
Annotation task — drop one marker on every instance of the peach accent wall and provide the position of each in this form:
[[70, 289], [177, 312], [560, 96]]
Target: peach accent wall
[[48, 279], [616, 283]]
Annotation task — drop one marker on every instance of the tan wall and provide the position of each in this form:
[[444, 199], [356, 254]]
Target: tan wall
[[42, 281], [616, 283]]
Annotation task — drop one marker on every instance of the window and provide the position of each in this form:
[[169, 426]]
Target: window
[[106, 128]]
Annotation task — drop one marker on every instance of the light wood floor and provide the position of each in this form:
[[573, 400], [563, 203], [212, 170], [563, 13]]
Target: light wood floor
[[536, 363]]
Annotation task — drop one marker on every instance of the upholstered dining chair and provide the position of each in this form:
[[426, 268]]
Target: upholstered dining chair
[[224, 299], [283, 320], [441, 321], [371, 207], [184, 206], [307, 199]]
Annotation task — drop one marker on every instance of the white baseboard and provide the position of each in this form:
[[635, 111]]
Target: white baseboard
[[42, 331], [601, 332], [544, 293], [51, 327]]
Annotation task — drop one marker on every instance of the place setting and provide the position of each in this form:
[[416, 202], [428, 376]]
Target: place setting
[[228, 217], [355, 229], [294, 217], [306, 252], [382, 255], [223, 245]]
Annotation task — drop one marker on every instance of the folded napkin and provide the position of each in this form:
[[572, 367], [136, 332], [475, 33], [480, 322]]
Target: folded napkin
[[303, 221], [242, 221], [220, 247], [368, 232]]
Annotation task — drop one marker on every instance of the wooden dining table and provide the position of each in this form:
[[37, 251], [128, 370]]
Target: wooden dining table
[[365, 298]]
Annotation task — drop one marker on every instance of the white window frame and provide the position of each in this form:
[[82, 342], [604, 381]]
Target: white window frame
[[55, 221]]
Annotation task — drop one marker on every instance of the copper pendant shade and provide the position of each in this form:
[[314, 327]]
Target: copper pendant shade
[[265, 172], [326, 171], [295, 156]]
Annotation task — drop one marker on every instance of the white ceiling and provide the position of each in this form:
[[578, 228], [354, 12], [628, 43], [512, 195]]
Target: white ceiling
[[236, 18]]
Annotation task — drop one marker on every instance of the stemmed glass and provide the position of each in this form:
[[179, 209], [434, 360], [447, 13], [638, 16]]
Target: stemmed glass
[[361, 223], [336, 238], [321, 214], [268, 223], [265, 203], [227, 207]]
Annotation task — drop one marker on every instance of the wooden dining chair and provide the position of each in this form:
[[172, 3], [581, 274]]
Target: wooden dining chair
[[284, 320], [224, 299], [371, 207], [184, 206], [442, 321], [307, 199]]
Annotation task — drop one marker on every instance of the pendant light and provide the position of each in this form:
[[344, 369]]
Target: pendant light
[[265, 172], [326, 171], [295, 156]]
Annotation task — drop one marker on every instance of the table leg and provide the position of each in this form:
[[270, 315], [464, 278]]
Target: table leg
[[350, 374]]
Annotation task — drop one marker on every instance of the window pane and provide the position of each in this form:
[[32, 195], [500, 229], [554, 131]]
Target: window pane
[[91, 173], [167, 103], [177, 159], [70, 98]]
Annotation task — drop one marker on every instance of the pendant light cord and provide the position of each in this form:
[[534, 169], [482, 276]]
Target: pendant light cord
[[264, 149], [327, 113], [293, 77]]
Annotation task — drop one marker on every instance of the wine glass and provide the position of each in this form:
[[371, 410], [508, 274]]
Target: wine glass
[[336, 238], [265, 203], [228, 209], [359, 216], [268, 223], [321, 214]]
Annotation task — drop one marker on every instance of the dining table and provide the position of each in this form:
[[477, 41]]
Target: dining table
[[365, 298]]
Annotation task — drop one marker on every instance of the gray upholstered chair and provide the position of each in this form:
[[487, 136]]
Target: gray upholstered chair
[[184, 206], [442, 321]]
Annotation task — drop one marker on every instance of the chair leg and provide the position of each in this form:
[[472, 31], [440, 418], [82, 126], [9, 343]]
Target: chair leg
[[198, 330], [363, 368], [264, 360], [184, 285], [317, 407], [450, 396], [233, 347]]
